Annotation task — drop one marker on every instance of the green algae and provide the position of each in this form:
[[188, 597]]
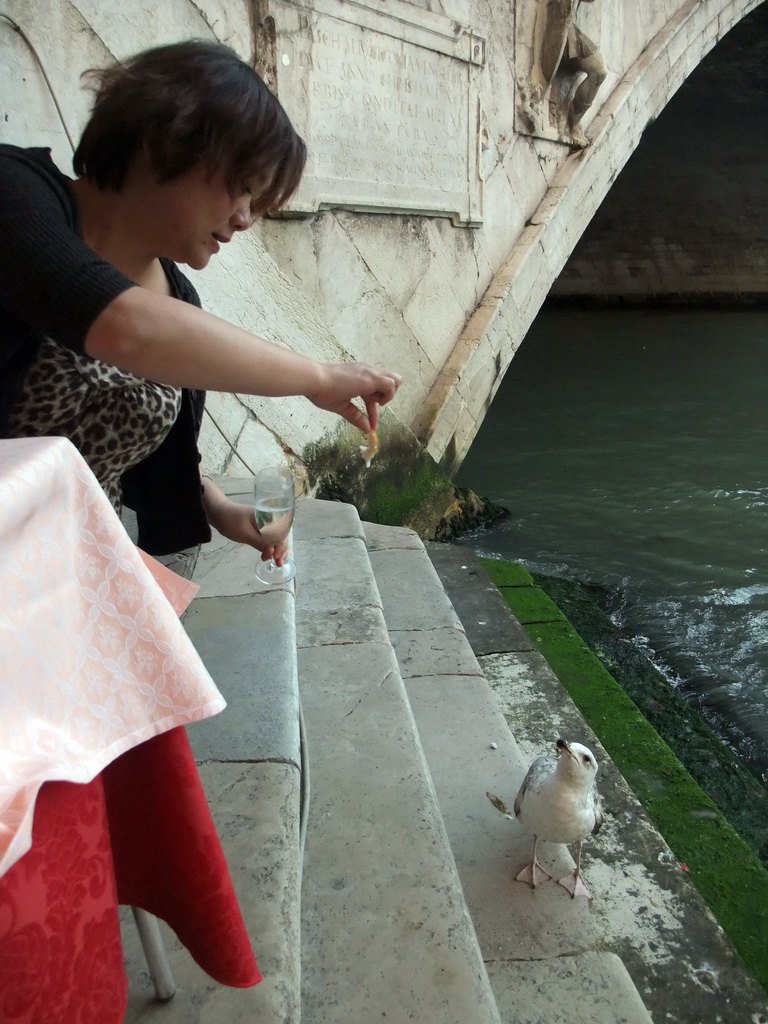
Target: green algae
[[508, 574], [533, 606], [722, 866], [403, 486], [394, 502]]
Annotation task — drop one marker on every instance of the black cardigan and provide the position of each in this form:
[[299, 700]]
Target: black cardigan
[[52, 284]]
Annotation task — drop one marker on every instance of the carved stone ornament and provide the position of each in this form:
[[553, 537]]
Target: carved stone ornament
[[560, 70], [387, 98]]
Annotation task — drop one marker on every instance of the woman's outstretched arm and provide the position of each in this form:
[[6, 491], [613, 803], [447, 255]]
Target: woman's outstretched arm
[[173, 342]]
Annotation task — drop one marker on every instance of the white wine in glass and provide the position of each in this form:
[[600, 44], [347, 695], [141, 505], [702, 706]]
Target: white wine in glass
[[274, 505]]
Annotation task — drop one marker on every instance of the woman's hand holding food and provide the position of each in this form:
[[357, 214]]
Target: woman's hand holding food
[[345, 381]]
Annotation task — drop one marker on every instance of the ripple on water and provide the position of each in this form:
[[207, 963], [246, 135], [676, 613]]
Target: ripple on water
[[630, 447]]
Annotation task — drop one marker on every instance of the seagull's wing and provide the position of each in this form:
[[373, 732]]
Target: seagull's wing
[[599, 816], [533, 773], [520, 796]]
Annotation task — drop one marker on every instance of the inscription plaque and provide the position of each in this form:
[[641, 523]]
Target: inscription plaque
[[387, 99]]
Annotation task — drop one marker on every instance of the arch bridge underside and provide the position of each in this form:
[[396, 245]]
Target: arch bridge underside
[[463, 391]]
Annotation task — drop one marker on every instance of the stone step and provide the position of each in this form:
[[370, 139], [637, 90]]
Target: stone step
[[408, 865], [386, 933], [543, 952]]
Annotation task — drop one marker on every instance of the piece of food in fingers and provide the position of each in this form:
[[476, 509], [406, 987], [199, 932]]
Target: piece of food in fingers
[[369, 450]]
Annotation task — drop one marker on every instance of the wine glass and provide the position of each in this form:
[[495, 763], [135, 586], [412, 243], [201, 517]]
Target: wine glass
[[274, 505]]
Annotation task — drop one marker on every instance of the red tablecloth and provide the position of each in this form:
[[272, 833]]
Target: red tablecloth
[[141, 833], [100, 799]]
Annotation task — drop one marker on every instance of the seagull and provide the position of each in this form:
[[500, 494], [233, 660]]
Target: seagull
[[558, 802]]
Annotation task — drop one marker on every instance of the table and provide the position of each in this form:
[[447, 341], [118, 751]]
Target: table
[[100, 799]]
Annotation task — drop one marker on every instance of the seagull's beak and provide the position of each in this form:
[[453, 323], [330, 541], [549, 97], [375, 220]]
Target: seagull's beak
[[563, 746]]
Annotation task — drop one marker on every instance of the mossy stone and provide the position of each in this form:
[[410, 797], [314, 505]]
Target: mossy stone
[[722, 865], [403, 486], [506, 574]]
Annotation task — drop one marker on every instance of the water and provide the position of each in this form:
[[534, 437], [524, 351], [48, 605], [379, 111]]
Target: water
[[632, 450]]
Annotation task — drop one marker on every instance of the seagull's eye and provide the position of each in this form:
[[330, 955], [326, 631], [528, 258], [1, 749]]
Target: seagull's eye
[[586, 759]]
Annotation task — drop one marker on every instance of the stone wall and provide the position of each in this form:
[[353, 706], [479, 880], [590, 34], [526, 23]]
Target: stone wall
[[404, 285], [441, 198]]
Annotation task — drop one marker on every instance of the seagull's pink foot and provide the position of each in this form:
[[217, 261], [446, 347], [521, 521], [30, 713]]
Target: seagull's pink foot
[[534, 874], [575, 885]]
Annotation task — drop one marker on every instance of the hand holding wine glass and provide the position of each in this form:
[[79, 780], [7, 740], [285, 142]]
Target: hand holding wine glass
[[274, 506]]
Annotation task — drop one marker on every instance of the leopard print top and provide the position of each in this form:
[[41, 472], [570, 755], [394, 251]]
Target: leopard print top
[[113, 418]]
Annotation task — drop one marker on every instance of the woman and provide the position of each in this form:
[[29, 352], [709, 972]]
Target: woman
[[102, 338]]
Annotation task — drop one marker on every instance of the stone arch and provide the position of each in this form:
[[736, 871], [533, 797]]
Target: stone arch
[[462, 392]]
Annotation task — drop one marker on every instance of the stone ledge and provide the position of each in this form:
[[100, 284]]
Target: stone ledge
[[597, 981], [247, 643], [677, 955]]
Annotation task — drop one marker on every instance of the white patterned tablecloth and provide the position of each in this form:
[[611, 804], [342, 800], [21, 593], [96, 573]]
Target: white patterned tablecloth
[[93, 658]]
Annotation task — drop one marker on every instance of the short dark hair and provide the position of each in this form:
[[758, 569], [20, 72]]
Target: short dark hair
[[189, 103]]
